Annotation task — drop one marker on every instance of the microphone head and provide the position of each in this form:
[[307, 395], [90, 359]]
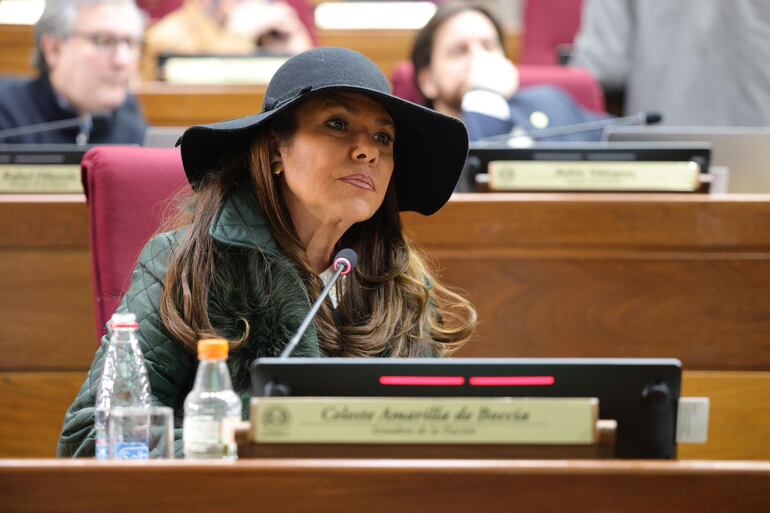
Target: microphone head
[[651, 118], [347, 258]]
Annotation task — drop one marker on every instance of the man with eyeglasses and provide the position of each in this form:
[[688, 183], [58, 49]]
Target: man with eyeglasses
[[87, 52]]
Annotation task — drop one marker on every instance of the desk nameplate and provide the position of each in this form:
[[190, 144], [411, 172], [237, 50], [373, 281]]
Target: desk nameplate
[[43, 178], [424, 420], [593, 176]]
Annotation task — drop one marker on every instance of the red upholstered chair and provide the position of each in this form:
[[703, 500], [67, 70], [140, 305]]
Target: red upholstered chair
[[547, 25], [580, 84], [306, 12], [128, 191], [156, 9]]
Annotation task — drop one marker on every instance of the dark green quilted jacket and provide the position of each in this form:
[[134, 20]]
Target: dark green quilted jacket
[[274, 310]]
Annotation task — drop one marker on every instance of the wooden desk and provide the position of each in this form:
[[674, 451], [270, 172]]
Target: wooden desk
[[186, 105], [427, 486], [551, 275], [640, 275], [18, 45]]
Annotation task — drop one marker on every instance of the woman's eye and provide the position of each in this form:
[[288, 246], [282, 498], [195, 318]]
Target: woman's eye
[[336, 124], [383, 138]]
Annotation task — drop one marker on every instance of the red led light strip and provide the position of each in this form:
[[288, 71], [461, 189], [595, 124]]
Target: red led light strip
[[423, 381], [476, 381], [512, 381]]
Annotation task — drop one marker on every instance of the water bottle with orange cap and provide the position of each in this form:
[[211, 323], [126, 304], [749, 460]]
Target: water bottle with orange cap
[[212, 408]]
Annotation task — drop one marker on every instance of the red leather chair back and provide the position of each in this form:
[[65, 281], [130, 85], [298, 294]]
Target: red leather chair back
[[404, 85], [548, 24], [156, 9], [306, 12], [578, 83], [128, 191]]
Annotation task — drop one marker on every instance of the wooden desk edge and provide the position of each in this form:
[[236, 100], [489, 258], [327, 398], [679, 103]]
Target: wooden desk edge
[[529, 467]]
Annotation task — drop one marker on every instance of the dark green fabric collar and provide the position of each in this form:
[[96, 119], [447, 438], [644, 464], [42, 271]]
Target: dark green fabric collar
[[240, 222]]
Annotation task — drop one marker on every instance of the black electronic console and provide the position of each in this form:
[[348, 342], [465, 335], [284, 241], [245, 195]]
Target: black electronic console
[[641, 394]]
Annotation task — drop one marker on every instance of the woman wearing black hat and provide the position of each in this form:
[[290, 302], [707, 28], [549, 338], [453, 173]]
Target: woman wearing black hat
[[328, 164]]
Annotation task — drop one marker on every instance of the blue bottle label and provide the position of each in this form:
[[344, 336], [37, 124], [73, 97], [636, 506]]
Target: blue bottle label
[[131, 451]]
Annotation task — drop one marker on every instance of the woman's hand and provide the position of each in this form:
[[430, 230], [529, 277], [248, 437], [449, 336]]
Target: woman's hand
[[491, 71]]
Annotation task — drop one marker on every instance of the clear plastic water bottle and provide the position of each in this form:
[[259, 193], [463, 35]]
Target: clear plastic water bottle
[[123, 382], [211, 409]]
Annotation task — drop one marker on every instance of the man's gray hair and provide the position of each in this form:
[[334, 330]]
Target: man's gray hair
[[59, 18]]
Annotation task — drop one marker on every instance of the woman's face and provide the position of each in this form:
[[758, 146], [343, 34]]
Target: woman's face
[[338, 165]]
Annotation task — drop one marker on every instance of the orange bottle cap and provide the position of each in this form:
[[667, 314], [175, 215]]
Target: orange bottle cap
[[213, 349]]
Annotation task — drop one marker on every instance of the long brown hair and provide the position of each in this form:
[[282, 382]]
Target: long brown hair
[[392, 305]]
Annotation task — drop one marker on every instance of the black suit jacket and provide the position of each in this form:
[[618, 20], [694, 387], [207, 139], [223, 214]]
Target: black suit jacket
[[30, 102]]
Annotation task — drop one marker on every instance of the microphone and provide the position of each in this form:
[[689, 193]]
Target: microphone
[[344, 262], [524, 139], [85, 130], [47, 127]]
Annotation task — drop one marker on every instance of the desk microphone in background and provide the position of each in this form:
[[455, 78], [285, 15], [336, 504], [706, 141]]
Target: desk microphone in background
[[85, 122], [522, 139], [344, 262]]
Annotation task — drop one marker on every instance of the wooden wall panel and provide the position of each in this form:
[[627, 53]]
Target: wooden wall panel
[[711, 311], [46, 310], [17, 43], [386, 48], [739, 423], [33, 409], [687, 279]]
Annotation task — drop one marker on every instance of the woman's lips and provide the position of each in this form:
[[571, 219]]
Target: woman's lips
[[361, 181]]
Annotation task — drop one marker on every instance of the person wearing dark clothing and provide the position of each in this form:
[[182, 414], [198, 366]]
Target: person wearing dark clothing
[[87, 53], [461, 68], [33, 102]]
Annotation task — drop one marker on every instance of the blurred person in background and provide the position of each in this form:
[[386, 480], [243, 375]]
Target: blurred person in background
[[698, 62], [227, 27], [87, 52], [461, 68]]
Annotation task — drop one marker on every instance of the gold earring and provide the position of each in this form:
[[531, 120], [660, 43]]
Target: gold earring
[[276, 168]]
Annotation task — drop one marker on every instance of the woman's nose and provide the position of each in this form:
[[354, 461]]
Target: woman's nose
[[364, 149]]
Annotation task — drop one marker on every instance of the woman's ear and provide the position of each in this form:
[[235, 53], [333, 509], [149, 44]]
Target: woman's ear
[[275, 148]]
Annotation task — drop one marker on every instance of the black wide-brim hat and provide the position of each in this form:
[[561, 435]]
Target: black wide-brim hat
[[430, 148]]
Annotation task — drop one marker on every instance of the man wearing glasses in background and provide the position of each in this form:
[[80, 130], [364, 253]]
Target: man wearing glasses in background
[[87, 52]]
